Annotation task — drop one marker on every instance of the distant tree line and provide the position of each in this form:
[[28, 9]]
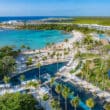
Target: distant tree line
[[65, 27]]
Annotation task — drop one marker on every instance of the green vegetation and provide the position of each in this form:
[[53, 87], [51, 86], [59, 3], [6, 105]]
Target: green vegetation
[[17, 101], [92, 20], [33, 84], [6, 79], [24, 47], [58, 89], [22, 78], [65, 94], [96, 72], [77, 67], [51, 84], [106, 48], [75, 102], [86, 30], [39, 66], [86, 55], [7, 66], [8, 51], [48, 27], [66, 28], [90, 103], [29, 61], [45, 97], [55, 104], [7, 61], [90, 43], [107, 106], [88, 40], [44, 58]]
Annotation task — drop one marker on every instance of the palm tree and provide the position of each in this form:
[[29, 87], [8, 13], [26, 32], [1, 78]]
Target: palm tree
[[75, 102], [87, 69], [90, 103], [22, 78], [6, 80], [65, 94], [44, 58], [38, 66], [8, 64], [33, 84], [45, 98], [28, 48], [51, 84], [101, 66], [57, 55], [66, 40], [65, 52], [78, 55], [23, 47], [29, 61], [77, 45], [58, 89], [55, 104], [107, 106], [48, 45], [88, 40]]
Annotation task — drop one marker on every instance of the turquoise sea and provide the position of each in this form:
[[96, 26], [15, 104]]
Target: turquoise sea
[[33, 38]]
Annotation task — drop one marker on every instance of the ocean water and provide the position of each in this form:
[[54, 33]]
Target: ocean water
[[34, 38], [28, 18]]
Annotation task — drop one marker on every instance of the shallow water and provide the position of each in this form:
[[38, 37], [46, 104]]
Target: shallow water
[[33, 38]]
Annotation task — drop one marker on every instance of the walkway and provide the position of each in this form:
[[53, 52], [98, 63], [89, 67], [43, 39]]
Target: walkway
[[76, 80]]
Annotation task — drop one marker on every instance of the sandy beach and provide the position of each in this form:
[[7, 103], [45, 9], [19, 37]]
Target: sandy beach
[[76, 37]]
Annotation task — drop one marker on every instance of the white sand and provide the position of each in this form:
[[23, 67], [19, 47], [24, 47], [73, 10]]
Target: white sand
[[77, 36]]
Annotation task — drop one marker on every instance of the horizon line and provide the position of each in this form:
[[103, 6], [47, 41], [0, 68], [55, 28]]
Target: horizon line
[[54, 16]]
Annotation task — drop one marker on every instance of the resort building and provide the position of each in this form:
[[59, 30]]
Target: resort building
[[95, 26]]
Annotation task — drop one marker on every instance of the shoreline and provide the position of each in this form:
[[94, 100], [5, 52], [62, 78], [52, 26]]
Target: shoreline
[[63, 33], [76, 36]]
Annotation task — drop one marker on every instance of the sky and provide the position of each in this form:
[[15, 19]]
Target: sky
[[54, 7]]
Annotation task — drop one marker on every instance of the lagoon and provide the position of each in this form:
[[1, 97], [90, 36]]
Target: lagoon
[[35, 39]]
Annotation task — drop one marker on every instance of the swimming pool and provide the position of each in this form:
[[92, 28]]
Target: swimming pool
[[84, 95], [34, 73], [103, 36]]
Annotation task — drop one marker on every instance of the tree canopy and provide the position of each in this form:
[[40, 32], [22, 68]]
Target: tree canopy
[[17, 101]]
